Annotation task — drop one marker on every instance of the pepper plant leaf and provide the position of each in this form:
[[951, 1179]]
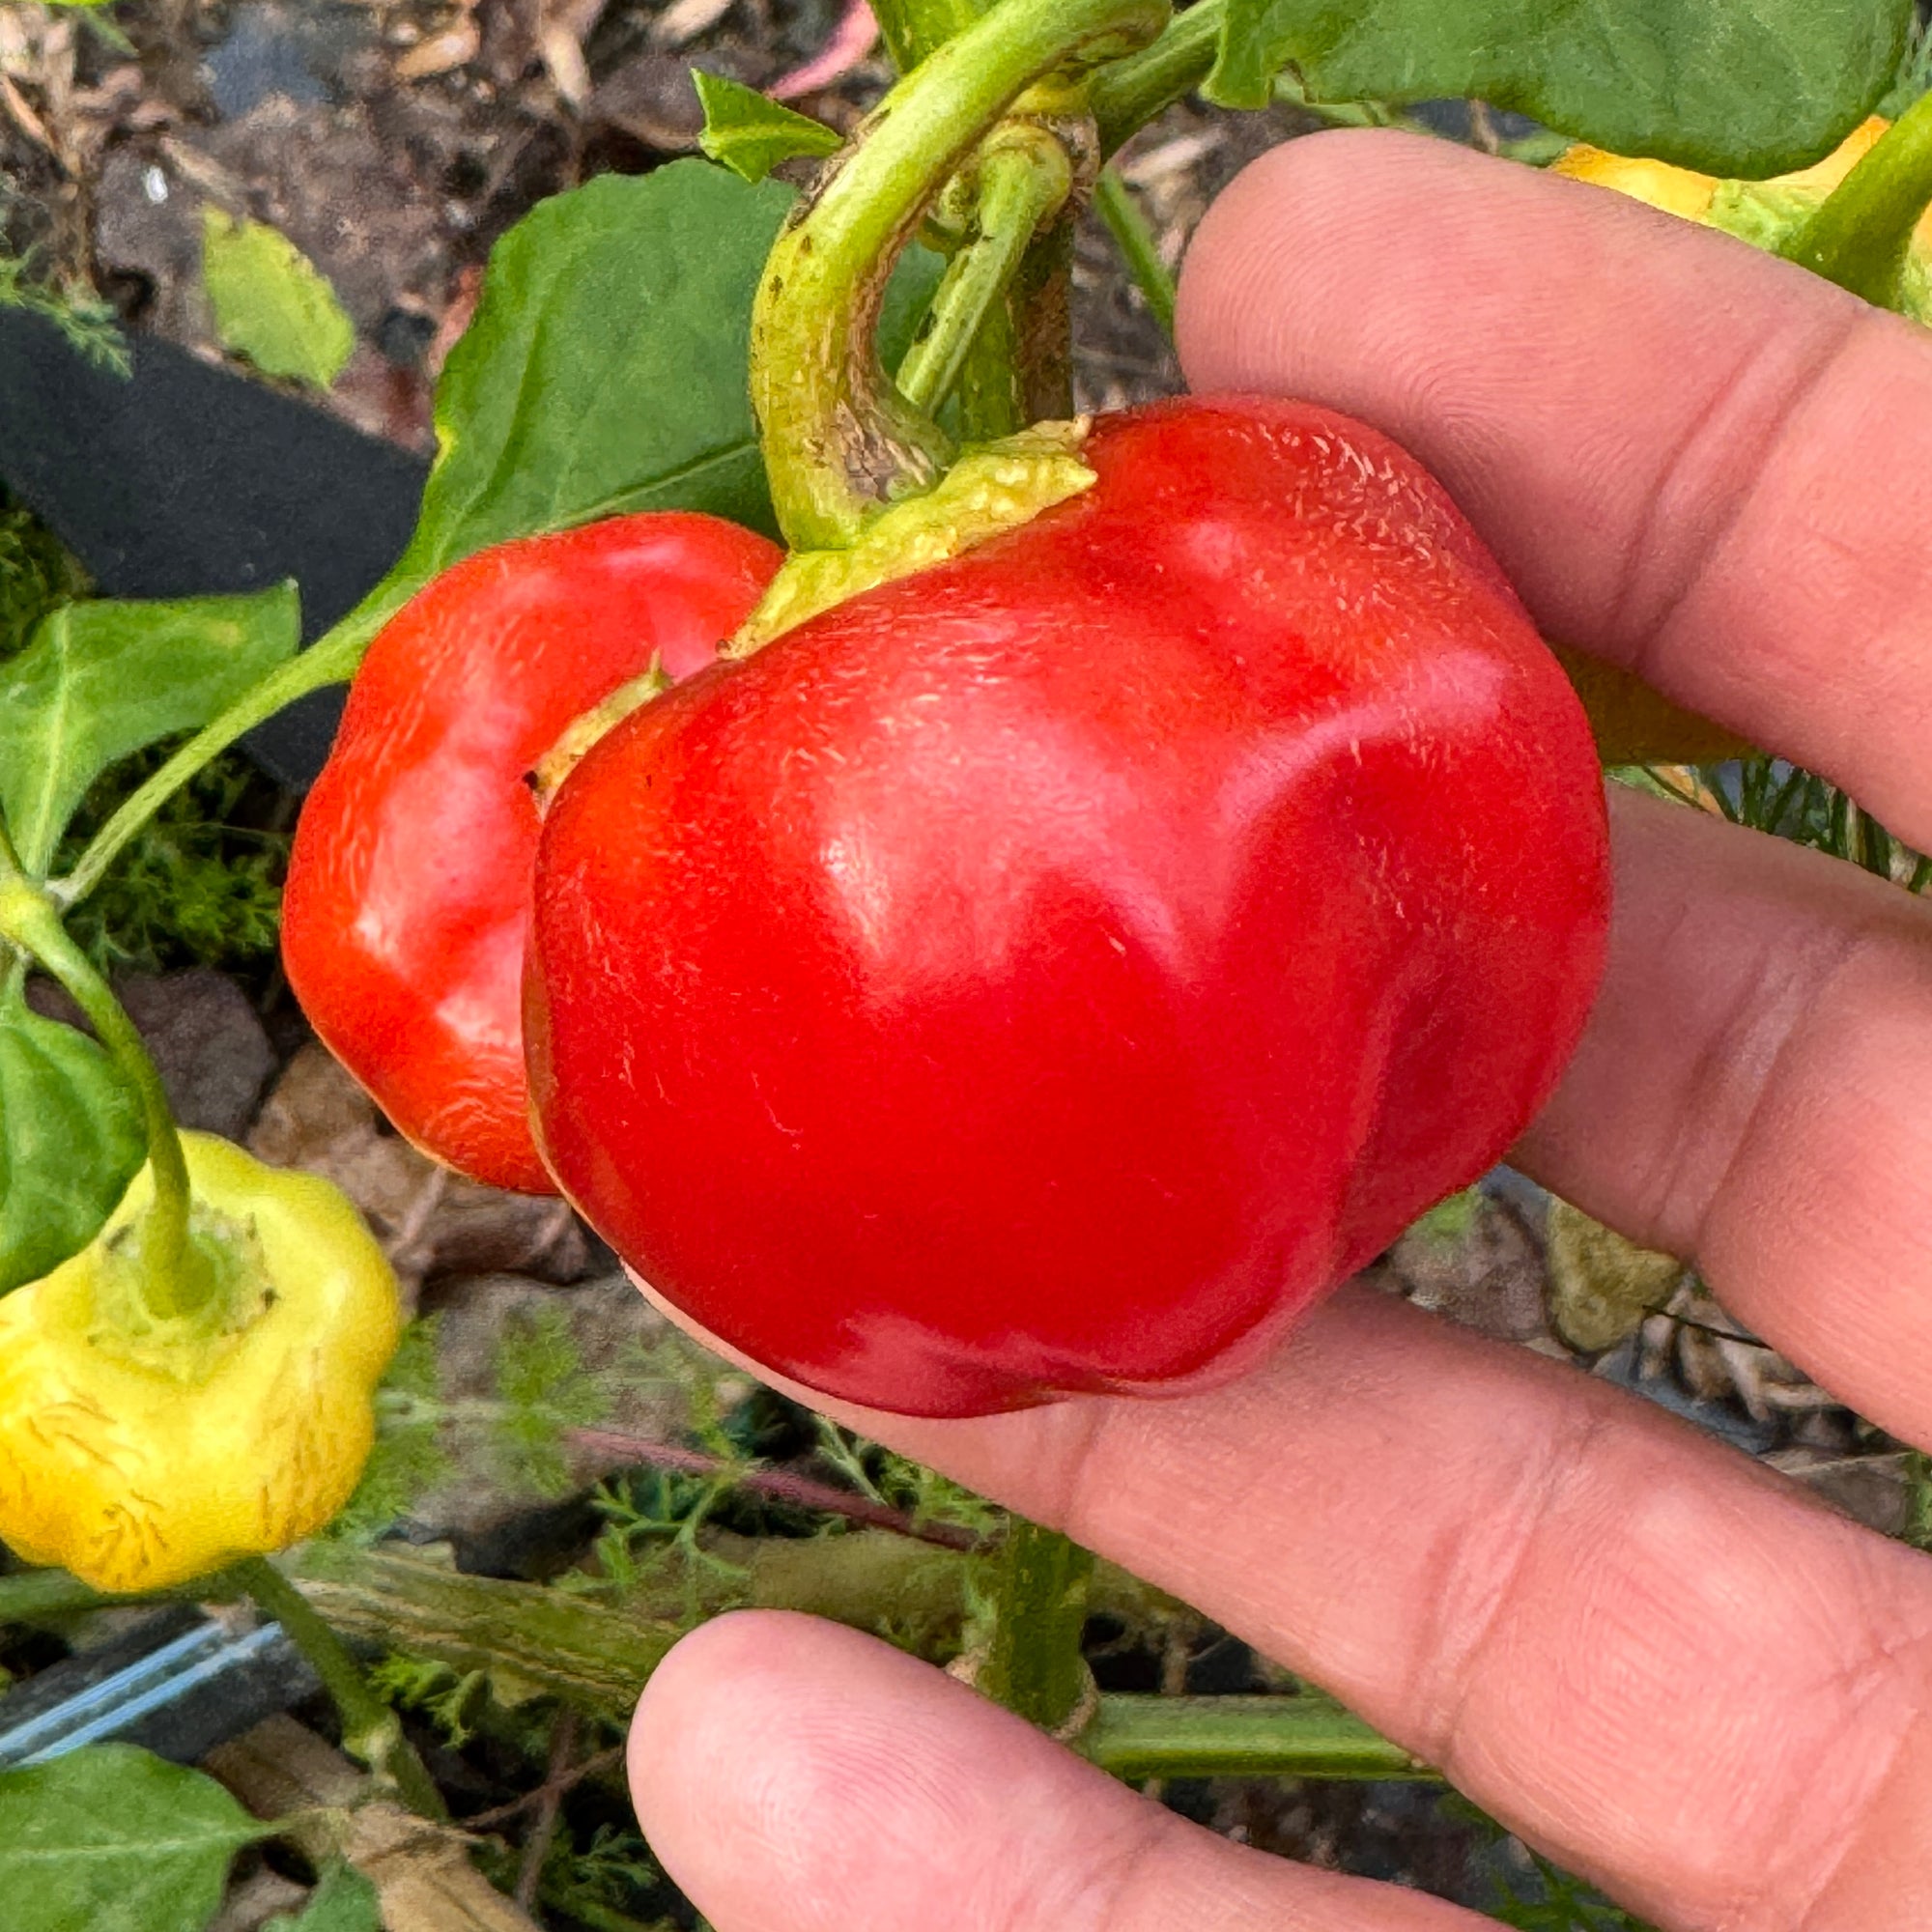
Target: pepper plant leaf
[[749, 132], [100, 681], [71, 1140], [271, 304], [110, 1838], [606, 369], [1732, 87]]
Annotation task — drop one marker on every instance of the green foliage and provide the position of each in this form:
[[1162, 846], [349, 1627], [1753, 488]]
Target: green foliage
[[409, 1458], [1770, 795], [110, 1838], [100, 681], [450, 1700], [545, 1393], [1553, 1901], [343, 1901], [607, 1882], [750, 133], [37, 574], [1914, 77], [193, 887], [1733, 87], [899, 1483], [605, 371], [86, 321], [72, 1138], [271, 304]]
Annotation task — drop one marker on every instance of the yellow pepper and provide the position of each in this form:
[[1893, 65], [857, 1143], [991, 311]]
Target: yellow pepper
[[1764, 212], [141, 1450]]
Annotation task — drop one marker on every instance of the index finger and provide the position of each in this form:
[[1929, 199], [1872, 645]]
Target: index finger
[[1693, 460]]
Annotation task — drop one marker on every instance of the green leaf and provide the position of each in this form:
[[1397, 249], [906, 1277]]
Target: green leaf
[[345, 1901], [606, 369], [750, 133], [101, 680], [110, 1838], [71, 1140], [1733, 87], [271, 304]]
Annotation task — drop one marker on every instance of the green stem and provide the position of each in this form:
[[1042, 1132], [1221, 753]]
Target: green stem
[[330, 660], [1033, 1665], [1025, 178], [1121, 214], [1860, 235], [371, 1732], [171, 1281], [36, 1594], [1137, 1736], [913, 29], [1130, 93], [840, 441]]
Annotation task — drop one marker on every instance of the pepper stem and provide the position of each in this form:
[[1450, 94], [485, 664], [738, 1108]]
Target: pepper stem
[[173, 1281], [1860, 235], [840, 442], [371, 1732], [1025, 177], [1033, 1664], [332, 659]]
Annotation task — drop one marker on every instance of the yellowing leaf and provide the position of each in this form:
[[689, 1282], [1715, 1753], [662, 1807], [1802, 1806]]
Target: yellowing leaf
[[271, 304]]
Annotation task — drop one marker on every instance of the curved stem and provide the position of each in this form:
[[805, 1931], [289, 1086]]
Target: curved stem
[[840, 442], [1861, 233], [29, 920], [913, 29], [330, 660], [1024, 180], [1127, 94], [1135, 239], [370, 1730]]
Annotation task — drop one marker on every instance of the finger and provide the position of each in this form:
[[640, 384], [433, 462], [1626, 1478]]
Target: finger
[[1751, 1094], [1693, 459], [1671, 1669], [790, 1772]]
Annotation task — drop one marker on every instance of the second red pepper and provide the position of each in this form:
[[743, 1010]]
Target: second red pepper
[[408, 885]]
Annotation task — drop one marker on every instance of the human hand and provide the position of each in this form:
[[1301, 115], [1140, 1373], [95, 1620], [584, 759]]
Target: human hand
[[1668, 1668]]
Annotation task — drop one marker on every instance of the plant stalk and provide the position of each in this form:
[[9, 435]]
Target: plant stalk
[[1135, 239], [1025, 179], [839, 439], [1033, 1664], [1860, 235], [332, 659], [371, 1732], [171, 1283], [913, 29], [1130, 93], [1137, 1736]]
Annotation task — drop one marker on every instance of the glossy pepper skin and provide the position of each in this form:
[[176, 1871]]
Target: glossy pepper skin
[[139, 1455], [1053, 971], [408, 892]]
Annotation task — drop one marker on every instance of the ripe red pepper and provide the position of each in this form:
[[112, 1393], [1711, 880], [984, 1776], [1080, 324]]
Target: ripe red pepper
[[408, 895], [1054, 970]]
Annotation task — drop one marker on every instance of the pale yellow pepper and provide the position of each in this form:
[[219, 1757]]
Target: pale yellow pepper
[[1764, 212], [142, 1450]]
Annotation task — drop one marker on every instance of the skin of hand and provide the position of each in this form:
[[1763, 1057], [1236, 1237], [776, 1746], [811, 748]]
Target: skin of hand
[[1668, 1668]]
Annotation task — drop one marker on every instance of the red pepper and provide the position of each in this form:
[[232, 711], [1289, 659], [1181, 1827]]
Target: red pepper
[[1054, 970], [407, 893]]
